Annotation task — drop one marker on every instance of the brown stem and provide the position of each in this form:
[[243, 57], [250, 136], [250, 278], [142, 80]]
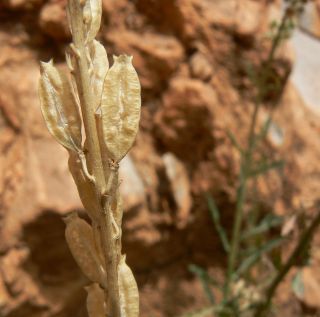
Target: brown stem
[[94, 153]]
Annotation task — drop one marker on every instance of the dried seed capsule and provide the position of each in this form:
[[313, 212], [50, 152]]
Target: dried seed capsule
[[120, 105], [59, 107], [100, 66], [87, 15], [79, 237], [129, 295], [93, 21], [96, 305], [85, 188]]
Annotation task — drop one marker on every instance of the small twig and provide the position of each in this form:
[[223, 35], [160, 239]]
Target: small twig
[[88, 105]]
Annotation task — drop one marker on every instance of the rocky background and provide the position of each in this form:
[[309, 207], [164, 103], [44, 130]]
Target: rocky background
[[191, 57]]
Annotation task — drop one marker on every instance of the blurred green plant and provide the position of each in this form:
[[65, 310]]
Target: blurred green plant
[[246, 290]]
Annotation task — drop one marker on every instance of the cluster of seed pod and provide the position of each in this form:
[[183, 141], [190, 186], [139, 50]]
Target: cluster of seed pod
[[115, 102]]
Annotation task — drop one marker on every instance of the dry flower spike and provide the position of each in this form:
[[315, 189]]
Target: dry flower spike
[[109, 100]]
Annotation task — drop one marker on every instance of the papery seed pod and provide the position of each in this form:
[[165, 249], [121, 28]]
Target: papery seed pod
[[87, 15], [100, 66], [94, 20], [129, 295], [79, 237], [120, 105], [96, 305], [85, 188], [59, 107]]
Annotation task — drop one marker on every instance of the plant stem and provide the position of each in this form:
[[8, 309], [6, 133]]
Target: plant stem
[[234, 249], [94, 152], [302, 245], [246, 161]]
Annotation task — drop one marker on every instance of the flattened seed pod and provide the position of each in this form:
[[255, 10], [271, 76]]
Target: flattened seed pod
[[100, 66], [129, 295], [87, 15], [120, 105], [79, 237], [95, 18], [85, 188], [59, 107], [96, 305]]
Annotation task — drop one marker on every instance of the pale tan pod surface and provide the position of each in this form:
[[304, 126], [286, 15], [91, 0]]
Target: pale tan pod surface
[[129, 295], [120, 105], [96, 305], [59, 107], [100, 66], [95, 19], [87, 14], [85, 188], [79, 237]]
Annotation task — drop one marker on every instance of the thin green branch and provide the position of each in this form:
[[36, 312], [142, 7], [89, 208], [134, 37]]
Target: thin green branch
[[299, 249], [247, 158]]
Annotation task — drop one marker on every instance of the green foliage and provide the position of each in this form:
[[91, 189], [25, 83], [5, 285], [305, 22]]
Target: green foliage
[[215, 214], [254, 248]]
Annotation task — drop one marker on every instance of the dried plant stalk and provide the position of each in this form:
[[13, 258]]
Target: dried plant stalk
[[109, 100]]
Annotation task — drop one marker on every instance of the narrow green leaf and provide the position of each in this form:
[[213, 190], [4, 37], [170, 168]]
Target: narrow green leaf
[[234, 141], [205, 281], [252, 259], [297, 285], [268, 222], [263, 167], [199, 270], [215, 214], [265, 129]]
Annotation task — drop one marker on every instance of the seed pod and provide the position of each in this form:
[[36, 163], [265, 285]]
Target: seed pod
[[87, 15], [79, 237], [92, 13], [100, 66], [96, 305], [85, 188], [59, 107], [120, 105], [129, 295]]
